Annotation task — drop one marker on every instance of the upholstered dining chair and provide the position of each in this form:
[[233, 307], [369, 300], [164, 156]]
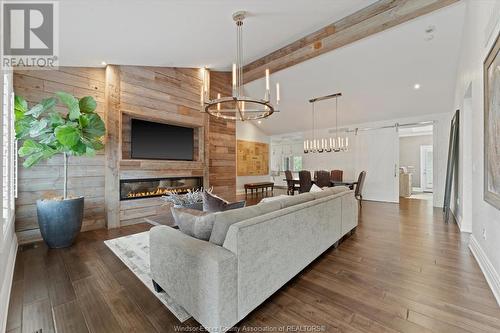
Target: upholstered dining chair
[[337, 175], [291, 187], [358, 191], [304, 181], [323, 178]]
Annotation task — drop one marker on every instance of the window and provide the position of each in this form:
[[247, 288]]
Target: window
[[297, 163], [8, 156]]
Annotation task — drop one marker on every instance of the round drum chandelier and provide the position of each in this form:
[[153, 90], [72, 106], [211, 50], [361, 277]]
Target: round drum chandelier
[[238, 106]]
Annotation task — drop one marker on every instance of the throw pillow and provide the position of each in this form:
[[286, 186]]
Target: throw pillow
[[213, 203], [193, 222], [315, 188]]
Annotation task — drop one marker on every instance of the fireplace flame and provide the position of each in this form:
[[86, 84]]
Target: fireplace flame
[[157, 192]]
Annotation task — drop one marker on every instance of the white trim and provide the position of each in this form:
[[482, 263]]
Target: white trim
[[7, 284], [486, 266], [423, 175]]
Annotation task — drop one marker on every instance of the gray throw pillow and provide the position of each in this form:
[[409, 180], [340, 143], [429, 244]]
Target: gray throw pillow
[[193, 222], [213, 203]]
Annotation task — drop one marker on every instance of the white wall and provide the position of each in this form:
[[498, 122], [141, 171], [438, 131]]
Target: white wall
[[348, 161], [248, 131], [8, 250], [482, 25]]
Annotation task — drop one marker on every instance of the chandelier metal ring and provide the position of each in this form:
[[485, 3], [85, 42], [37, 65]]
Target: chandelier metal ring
[[238, 106]]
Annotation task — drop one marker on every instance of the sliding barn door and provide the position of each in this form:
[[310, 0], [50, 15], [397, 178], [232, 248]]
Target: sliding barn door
[[378, 154]]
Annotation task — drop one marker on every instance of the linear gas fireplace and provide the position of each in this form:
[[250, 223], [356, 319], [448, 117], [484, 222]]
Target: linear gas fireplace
[[155, 187]]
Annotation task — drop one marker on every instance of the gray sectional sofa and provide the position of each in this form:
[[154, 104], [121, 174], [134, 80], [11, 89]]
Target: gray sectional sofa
[[252, 253]]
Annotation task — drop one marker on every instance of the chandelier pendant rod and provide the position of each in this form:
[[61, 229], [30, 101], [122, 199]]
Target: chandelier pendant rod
[[236, 106]]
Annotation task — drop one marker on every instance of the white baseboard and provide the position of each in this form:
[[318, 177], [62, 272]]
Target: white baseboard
[[7, 284], [489, 271]]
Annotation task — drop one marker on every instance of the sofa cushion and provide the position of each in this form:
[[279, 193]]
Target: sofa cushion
[[223, 220], [213, 203], [193, 222]]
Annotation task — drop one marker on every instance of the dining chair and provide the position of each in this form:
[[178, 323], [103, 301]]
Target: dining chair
[[358, 192], [291, 187], [323, 178], [305, 182], [337, 175]]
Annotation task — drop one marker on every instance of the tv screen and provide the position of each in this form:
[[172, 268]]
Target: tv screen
[[156, 141]]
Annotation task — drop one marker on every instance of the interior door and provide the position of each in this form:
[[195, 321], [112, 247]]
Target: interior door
[[377, 153], [426, 171]]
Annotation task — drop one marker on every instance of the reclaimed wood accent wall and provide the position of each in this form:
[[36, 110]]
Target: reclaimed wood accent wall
[[252, 158], [222, 143], [86, 174], [170, 95], [167, 95]]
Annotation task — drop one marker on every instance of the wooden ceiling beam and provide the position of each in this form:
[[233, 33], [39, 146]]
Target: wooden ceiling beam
[[370, 20]]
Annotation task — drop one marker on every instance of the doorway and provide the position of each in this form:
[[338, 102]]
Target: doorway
[[426, 168], [416, 163]]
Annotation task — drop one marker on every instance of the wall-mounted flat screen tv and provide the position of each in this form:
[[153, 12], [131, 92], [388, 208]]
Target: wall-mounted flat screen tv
[[156, 141]]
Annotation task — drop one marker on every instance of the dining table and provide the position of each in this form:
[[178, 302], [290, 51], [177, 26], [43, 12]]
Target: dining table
[[347, 183]]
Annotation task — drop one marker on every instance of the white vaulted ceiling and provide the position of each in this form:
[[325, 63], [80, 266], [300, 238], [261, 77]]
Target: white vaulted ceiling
[[376, 76], [186, 33]]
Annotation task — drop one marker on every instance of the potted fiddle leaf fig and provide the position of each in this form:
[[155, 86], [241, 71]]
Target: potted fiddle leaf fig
[[45, 133]]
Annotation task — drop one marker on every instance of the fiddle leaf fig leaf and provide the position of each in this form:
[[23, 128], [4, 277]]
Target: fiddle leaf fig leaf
[[55, 119], [87, 104], [83, 120], [30, 147], [72, 103], [23, 126], [95, 126], [20, 104], [44, 105], [38, 127], [67, 135], [45, 132], [32, 160], [20, 107]]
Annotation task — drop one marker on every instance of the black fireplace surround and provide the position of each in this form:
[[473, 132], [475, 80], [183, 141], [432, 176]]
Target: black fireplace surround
[[155, 187]]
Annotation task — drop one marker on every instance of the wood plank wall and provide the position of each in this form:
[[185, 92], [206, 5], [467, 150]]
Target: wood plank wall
[[222, 143], [170, 95], [86, 175]]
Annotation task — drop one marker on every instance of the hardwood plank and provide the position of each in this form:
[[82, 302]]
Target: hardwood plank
[[15, 314], [60, 288], [69, 318], [96, 311], [37, 316]]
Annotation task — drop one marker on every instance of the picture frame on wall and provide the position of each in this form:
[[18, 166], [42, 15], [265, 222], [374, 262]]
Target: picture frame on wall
[[491, 70]]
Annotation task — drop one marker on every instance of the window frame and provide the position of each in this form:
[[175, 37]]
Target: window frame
[[7, 139]]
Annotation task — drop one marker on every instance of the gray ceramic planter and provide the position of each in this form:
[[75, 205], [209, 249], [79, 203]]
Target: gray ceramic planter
[[60, 221]]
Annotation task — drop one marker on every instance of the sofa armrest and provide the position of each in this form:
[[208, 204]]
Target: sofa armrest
[[198, 275]]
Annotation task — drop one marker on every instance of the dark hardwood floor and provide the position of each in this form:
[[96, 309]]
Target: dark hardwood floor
[[403, 271]]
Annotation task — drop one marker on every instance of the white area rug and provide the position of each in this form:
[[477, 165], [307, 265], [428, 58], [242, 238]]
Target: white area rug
[[133, 250]]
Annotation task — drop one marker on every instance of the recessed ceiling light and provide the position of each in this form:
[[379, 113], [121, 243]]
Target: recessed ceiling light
[[103, 63], [259, 122], [416, 86]]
